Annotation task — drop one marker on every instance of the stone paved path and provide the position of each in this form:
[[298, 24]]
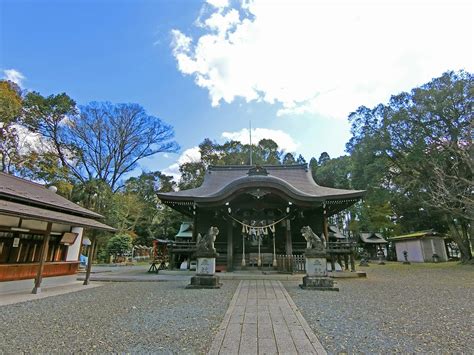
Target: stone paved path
[[263, 319]]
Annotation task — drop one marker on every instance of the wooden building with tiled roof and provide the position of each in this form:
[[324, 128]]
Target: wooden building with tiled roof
[[40, 231], [259, 209]]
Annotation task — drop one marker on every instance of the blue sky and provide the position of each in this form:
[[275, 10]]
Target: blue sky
[[295, 69]]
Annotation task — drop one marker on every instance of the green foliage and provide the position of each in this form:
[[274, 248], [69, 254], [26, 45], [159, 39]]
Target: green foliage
[[266, 152], [119, 244], [10, 102], [192, 175], [289, 159], [10, 115], [300, 160], [334, 172], [417, 152], [146, 217]]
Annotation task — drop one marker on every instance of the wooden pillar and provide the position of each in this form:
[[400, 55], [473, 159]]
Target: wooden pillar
[[325, 227], [352, 259], [230, 246], [44, 254], [90, 256], [289, 245], [173, 260], [195, 225]]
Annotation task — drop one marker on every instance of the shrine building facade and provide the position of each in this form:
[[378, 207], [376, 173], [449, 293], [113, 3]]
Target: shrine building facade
[[41, 232], [259, 210]]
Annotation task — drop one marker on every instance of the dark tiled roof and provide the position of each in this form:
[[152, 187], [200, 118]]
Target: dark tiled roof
[[295, 180], [24, 191], [25, 211], [372, 238]]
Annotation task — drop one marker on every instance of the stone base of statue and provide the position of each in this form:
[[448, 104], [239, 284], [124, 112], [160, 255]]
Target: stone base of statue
[[318, 283], [205, 272], [204, 281], [316, 272]]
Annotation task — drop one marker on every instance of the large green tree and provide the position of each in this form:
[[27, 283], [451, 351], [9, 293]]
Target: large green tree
[[418, 149], [152, 219], [266, 152], [10, 116], [97, 141]]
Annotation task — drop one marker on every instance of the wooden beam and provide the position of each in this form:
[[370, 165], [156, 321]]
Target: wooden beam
[[44, 254], [288, 240], [325, 226], [195, 225]]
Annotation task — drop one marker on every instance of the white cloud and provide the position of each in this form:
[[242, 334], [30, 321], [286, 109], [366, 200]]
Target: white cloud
[[189, 155], [218, 3], [284, 140], [325, 56], [14, 76]]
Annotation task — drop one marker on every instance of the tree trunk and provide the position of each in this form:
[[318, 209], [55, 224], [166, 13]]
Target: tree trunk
[[462, 240]]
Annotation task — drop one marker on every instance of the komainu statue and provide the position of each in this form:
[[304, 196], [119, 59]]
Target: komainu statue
[[312, 240], [205, 244]]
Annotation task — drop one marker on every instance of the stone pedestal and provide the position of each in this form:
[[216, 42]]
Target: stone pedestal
[[204, 281], [316, 266], [319, 283], [316, 272], [205, 272]]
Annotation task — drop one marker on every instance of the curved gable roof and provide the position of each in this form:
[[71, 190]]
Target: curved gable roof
[[294, 180]]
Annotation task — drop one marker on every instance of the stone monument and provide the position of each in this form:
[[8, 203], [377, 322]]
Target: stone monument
[[381, 256], [364, 259], [206, 266], [316, 263], [405, 256]]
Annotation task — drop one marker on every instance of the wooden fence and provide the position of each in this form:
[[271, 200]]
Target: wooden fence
[[291, 263]]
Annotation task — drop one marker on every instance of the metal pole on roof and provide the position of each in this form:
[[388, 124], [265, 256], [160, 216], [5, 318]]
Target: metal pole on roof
[[250, 133]]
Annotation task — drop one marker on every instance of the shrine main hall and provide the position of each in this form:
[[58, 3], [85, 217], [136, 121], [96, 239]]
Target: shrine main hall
[[259, 210]]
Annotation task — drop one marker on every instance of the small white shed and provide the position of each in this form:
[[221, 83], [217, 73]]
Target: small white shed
[[420, 246]]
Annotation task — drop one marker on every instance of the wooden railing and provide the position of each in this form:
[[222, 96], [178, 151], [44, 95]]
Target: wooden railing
[[182, 246], [341, 247], [290, 263]]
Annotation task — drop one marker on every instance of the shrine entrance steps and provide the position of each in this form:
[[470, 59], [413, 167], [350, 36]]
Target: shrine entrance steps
[[263, 319]]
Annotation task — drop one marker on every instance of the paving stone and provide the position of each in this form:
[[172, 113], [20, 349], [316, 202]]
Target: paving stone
[[265, 330], [248, 345], [249, 330], [270, 323], [285, 344], [237, 319], [250, 318], [267, 346]]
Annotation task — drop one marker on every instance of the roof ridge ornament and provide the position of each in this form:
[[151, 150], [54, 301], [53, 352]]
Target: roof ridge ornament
[[257, 170]]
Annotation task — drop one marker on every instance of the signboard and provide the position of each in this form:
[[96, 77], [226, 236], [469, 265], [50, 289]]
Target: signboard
[[68, 238], [16, 242]]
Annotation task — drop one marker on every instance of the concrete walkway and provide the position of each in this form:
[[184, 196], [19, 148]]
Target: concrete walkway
[[47, 291], [263, 319]]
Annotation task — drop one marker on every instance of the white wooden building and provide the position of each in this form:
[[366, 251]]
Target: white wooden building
[[420, 246]]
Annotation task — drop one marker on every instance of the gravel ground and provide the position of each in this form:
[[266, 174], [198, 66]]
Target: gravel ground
[[126, 317], [417, 308]]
